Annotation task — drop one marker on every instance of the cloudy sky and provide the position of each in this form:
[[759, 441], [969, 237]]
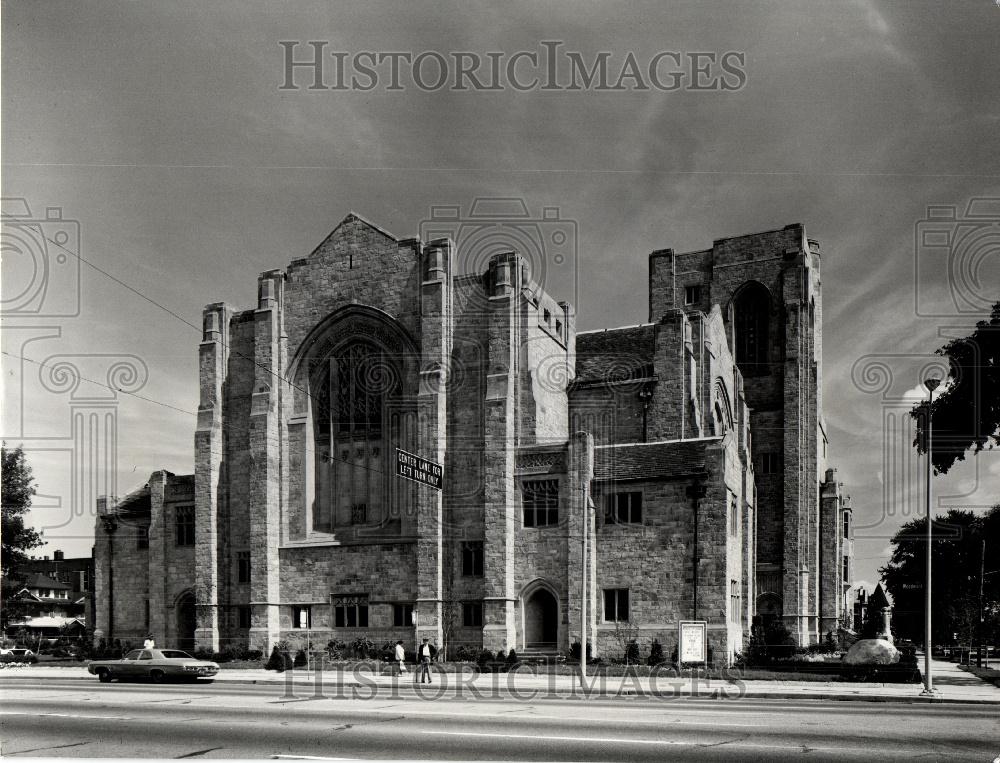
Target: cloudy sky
[[163, 130]]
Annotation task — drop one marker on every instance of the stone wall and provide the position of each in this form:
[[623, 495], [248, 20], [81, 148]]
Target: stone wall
[[495, 384]]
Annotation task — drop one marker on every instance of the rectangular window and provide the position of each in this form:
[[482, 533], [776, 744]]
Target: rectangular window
[[146, 615], [402, 615], [350, 611], [735, 600], [624, 508], [847, 526], [847, 569], [243, 566], [615, 605], [472, 559], [302, 617], [540, 501], [770, 463], [243, 614], [142, 538], [472, 614], [184, 524], [692, 294], [359, 513], [734, 516]]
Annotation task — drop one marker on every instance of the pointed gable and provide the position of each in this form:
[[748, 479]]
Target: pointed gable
[[352, 232]]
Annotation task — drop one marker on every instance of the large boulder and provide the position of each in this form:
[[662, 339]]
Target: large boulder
[[872, 651]]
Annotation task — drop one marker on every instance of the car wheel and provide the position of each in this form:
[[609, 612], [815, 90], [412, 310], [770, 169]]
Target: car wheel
[[104, 675], [157, 676]]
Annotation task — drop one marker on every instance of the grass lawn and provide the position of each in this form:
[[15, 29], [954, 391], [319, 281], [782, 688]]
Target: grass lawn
[[663, 673], [990, 675]]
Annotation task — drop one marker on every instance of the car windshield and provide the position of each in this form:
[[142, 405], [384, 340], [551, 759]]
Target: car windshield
[[133, 655], [176, 654]]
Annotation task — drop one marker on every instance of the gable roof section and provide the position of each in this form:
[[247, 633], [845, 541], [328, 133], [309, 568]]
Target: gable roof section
[[44, 581], [650, 461], [614, 355], [343, 230]]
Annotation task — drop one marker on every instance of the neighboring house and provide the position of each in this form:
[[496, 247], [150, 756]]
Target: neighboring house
[[49, 606], [689, 451], [75, 572]]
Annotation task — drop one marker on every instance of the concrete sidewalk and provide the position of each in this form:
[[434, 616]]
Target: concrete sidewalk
[[952, 685]]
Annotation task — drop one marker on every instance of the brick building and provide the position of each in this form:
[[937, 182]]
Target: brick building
[[687, 454]]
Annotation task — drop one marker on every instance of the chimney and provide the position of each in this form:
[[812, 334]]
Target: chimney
[[57, 555]]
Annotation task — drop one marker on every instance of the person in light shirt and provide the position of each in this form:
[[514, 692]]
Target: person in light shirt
[[149, 643], [400, 657]]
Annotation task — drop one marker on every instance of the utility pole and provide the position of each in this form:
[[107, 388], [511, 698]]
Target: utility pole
[[583, 585], [931, 385], [982, 574]]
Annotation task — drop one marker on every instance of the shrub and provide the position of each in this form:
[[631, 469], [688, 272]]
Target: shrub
[[279, 660], [830, 642], [656, 656], [335, 649], [483, 660], [778, 641], [301, 660], [240, 652], [364, 648], [501, 656], [574, 651], [466, 653], [632, 655], [512, 659]]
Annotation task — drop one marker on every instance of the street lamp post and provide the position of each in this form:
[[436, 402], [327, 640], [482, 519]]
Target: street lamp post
[[583, 585], [931, 384]]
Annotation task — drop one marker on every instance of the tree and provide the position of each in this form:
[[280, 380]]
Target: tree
[[16, 538], [967, 413], [956, 562], [627, 635]]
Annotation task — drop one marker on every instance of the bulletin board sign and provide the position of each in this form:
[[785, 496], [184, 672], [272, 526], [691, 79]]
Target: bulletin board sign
[[692, 642]]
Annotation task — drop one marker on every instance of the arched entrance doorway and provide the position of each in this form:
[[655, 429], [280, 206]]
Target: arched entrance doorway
[[186, 622], [541, 620], [769, 609]]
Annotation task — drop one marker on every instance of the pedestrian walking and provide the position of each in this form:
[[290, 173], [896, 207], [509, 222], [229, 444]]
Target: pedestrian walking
[[401, 657], [425, 653]]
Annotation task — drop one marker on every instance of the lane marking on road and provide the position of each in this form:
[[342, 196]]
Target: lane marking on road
[[71, 715], [669, 742]]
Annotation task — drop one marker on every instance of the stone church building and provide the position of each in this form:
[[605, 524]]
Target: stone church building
[[674, 470]]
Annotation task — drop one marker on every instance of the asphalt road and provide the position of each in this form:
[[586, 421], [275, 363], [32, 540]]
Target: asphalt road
[[73, 718]]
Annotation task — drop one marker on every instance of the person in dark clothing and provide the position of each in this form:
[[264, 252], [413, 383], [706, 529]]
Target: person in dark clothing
[[426, 653]]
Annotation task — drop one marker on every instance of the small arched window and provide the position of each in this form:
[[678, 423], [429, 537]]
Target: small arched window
[[752, 314]]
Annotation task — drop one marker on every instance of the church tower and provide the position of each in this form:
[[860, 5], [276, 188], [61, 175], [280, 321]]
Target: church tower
[[768, 286]]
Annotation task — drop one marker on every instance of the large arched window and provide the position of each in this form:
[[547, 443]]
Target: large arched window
[[752, 314], [350, 391]]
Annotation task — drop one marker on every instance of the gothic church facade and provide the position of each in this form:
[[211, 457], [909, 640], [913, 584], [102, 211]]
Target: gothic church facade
[[670, 471]]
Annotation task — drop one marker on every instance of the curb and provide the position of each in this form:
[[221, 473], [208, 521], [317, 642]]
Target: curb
[[303, 682]]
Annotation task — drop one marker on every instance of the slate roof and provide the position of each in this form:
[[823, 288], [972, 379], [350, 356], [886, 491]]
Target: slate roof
[[654, 460], [614, 354], [43, 581], [136, 502]]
